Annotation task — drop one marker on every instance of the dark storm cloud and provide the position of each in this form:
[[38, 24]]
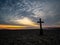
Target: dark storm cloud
[[49, 10]]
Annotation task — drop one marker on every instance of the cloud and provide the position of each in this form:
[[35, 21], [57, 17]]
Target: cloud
[[16, 11]]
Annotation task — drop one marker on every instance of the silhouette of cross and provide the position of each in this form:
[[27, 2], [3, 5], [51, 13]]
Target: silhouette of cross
[[41, 30]]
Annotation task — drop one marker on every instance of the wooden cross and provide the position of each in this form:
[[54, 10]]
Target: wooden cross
[[41, 30]]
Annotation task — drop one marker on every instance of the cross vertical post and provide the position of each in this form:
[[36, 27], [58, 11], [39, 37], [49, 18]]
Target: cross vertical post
[[41, 30]]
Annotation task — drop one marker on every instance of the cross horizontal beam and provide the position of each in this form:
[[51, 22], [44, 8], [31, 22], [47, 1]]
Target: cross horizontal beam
[[40, 22]]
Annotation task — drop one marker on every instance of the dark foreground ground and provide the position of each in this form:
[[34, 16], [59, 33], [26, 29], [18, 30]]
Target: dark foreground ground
[[30, 37]]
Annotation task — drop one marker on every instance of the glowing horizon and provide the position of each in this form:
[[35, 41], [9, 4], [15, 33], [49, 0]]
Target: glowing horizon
[[14, 27]]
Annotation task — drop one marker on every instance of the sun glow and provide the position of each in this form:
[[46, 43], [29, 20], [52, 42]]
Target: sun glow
[[25, 21]]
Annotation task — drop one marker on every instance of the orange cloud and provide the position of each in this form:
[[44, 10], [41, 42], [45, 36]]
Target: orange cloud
[[12, 27]]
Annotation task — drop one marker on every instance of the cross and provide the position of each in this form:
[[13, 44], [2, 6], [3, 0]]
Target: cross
[[41, 30]]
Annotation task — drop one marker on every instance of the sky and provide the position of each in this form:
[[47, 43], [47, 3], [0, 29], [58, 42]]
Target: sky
[[27, 12]]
